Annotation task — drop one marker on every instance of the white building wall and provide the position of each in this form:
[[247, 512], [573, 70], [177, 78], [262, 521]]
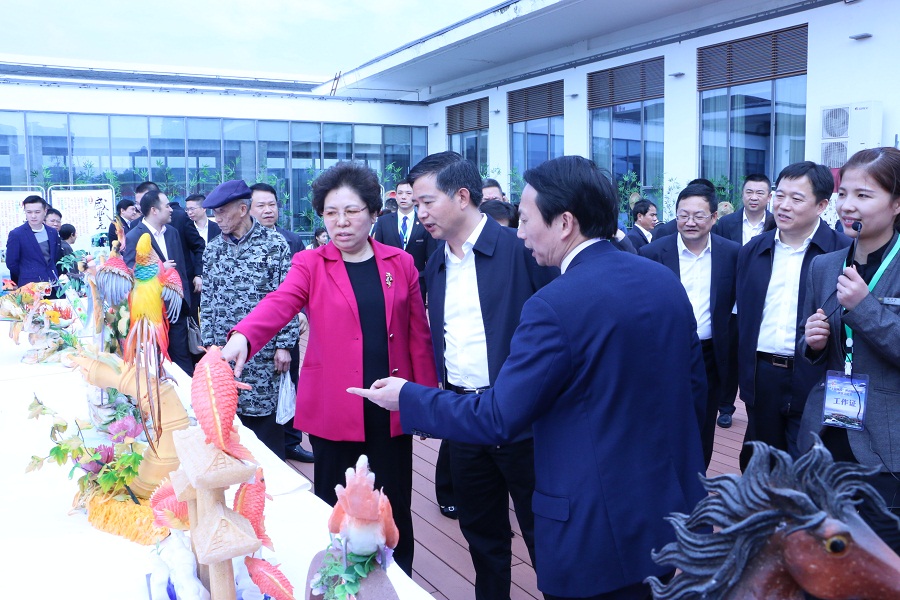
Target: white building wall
[[206, 104]]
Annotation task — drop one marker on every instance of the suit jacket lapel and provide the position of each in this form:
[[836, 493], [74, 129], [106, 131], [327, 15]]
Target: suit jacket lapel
[[670, 255], [334, 266], [715, 273], [392, 235]]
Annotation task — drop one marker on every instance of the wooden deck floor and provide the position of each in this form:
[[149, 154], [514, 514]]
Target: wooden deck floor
[[442, 565]]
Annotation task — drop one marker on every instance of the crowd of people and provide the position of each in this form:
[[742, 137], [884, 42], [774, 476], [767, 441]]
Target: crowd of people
[[510, 332]]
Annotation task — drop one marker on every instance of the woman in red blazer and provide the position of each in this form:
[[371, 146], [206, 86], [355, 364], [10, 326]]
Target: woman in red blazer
[[366, 321]]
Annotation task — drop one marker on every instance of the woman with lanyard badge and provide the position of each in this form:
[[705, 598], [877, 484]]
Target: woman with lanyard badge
[[854, 329]]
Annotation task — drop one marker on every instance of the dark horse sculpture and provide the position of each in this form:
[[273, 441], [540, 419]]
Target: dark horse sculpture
[[783, 528]]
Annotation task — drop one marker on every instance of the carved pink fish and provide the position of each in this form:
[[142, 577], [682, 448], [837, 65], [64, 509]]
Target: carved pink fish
[[167, 509], [269, 579], [214, 396], [250, 501]]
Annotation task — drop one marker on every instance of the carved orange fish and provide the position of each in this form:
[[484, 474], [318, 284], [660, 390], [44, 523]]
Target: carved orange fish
[[269, 579], [167, 509], [250, 501], [214, 396]]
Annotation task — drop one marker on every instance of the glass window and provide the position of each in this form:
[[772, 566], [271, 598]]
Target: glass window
[[790, 122], [168, 166], [753, 128], [420, 144], [306, 162], [653, 143], [534, 142], [397, 152], [48, 148], [204, 155], [367, 146], [626, 139], [240, 149], [473, 146], [338, 143], [272, 152], [90, 147], [130, 153], [13, 170]]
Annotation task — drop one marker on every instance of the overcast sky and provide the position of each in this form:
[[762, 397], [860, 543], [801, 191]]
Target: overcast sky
[[307, 40]]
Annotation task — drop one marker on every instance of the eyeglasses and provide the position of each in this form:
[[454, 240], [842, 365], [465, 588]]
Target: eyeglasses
[[351, 212], [698, 218]]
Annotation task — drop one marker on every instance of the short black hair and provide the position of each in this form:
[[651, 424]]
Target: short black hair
[[264, 187], [150, 200], [195, 198], [34, 199], [146, 186], [356, 176], [492, 183], [819, 176], [452, 173], [498, 209], [756, 178], [53, 211], [702, 191], [574, 184], [702, 181], [642, 207], [123, 205], [66, 231]]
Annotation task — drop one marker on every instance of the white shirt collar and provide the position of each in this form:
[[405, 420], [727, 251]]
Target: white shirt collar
[[470, 241], [567, 260], [806, 242], [155, 233], [647, 234], [682, 248]]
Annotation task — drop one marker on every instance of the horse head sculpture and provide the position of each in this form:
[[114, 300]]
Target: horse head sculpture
[[786, 527]]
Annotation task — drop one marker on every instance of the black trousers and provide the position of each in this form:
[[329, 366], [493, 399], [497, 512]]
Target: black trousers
[[713, 395], [268, 431], [178, 342], [390, 458], [443, 480], [484, 478], [729, 380], [775, 415], [638, 591]]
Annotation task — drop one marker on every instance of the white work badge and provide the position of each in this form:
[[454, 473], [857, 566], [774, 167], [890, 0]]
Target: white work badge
[[845, 400]]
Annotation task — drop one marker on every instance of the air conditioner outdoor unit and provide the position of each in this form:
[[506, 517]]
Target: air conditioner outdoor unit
[[848, 128]]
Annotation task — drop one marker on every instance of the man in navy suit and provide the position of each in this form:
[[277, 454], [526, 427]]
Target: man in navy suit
[[126, 215], [645, 219], [167, 245], [32, 248], [473, 316], [742, 226], [705, 263], [402, 229], [771, 285], [606, 476]]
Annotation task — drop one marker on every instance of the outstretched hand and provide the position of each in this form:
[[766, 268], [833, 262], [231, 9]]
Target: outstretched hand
[[236, 350], [384, 392]]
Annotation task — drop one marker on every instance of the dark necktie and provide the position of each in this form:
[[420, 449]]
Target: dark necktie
[[403, 231]]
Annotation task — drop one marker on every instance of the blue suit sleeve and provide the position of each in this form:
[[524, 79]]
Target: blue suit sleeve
[[13, 256], [531, 379]]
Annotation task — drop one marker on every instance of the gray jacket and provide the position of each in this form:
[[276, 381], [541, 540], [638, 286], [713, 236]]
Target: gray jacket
[[876, 353]]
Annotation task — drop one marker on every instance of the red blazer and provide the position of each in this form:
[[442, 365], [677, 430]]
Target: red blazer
[[318, 281]]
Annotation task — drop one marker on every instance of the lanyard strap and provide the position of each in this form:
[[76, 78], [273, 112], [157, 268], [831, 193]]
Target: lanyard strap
[[884, 265]]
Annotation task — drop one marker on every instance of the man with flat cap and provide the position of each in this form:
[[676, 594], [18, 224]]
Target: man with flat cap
[[241, 266]]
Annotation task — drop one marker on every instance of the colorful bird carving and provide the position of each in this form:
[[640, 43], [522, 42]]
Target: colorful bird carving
[[154, 299]]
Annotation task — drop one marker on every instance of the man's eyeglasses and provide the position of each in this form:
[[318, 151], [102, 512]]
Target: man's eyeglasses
[[350, 212], [698, 218]]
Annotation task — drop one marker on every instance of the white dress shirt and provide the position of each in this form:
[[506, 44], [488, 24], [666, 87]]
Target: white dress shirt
[[465, 344], [749, 230], [160, 239], [778, 330], [696, 277], [203, 231], [410, 221], [646, 233], [574, 252]]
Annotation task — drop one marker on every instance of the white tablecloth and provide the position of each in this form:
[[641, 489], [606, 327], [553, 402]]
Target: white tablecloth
[[49, 553]]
